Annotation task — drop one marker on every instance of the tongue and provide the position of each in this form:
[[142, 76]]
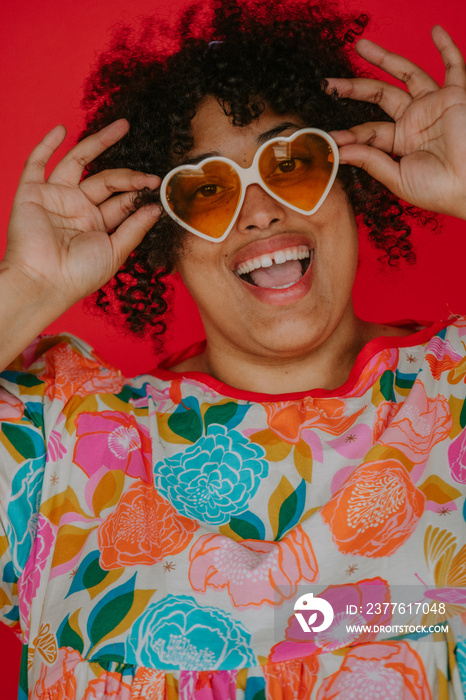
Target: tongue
[[282, 275]]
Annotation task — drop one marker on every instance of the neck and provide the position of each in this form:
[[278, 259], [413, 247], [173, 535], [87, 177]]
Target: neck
[[326, 366]]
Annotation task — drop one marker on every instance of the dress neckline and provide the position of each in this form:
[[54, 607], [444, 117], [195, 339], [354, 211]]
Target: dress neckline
[[370, 349]]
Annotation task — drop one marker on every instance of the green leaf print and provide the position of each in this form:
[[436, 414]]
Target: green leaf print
[[116, 612], [186, 421], [93, 575], [22, 378], [248, 526], [110, 615], [291, 510], [23, 440], [69, 637], [463, 415], [286, 505], [220, 414], [386, 385]]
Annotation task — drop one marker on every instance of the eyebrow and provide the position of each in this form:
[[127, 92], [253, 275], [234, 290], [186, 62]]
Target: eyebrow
[[261, 139]]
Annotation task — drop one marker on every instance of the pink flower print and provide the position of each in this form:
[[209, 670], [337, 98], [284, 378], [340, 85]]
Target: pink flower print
[[441, 357], [385, 360], [457, 458], [30, 578], [108, 381], [415, 426], [254, 572], [55, 449], [58, 682], [206, 685], [367, 595], [114, 440], [11, 408]]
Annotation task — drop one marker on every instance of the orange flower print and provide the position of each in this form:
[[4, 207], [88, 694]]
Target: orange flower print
[[68, 373], [148, 684], [289, 418], [375, 511], [108, 685], [291, 680], [389, 670], [58, 682], [254, 572], [416, 425], [143, 529]]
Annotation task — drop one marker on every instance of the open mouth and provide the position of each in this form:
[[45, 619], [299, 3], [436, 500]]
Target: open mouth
[[278, 270]]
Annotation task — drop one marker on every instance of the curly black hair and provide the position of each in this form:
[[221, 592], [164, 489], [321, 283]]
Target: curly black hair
[[247, 54]]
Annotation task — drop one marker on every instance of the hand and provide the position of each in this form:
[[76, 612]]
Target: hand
[[428, 133], [58, 242]]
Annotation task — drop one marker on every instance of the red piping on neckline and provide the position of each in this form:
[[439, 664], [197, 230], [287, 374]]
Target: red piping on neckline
[[365, 355]]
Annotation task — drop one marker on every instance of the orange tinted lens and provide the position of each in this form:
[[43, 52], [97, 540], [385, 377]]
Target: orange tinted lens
[[298, 171], [205, 198]]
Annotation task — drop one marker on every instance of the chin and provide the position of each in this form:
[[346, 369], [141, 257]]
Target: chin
[[289, 342]]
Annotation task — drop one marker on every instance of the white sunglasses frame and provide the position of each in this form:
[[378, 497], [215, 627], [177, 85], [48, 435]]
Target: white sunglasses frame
[[251, 176]]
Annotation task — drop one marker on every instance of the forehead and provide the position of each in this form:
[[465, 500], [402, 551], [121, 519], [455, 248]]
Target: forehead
[[214, 134]]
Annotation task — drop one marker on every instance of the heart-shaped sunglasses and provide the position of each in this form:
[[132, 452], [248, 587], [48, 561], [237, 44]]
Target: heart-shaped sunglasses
[[297, 170]]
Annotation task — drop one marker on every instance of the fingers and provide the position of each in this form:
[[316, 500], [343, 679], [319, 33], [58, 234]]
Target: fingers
[[379, 135], [393, 100], [131, 232], [455, 69], [34, 170], [374, 162], [416, 80], [99, 187], [116, 209], [69, 169]]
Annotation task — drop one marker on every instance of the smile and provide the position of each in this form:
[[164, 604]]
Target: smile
[[278, 270]]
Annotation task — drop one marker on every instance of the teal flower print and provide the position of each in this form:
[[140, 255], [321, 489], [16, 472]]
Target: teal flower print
[[26, 490], [461, 660], [177, 633], [214, 479]]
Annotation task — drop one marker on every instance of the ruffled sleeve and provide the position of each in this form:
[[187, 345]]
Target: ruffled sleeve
[[34, 390]]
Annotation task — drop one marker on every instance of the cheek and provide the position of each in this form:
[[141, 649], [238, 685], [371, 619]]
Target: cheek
[[198, 268]]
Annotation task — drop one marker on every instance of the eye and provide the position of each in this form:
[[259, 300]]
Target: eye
[[287, 166], [207, 190]]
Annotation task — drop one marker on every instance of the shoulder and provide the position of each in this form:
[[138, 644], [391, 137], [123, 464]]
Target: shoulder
[[60, 367]]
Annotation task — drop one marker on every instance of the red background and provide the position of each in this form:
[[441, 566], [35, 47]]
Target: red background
[[46, 51]]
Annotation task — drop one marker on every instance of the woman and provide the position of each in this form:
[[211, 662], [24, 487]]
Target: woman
[[159, 532]]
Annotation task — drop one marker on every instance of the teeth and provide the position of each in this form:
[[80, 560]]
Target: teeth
[[280, 257], [299, 252]]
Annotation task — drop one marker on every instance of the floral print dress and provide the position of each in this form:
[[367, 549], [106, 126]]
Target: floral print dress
[[158, 531]]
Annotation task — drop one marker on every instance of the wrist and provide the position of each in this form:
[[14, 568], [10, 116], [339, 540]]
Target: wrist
[[24, 290]]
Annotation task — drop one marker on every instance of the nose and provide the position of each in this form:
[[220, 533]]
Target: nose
[[259, 210]]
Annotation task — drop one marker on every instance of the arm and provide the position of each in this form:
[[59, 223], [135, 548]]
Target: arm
[[428, 132], [58, 248]]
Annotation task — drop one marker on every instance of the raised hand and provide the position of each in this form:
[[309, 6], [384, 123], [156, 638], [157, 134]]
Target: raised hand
[[58, 243], [428, 133]]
